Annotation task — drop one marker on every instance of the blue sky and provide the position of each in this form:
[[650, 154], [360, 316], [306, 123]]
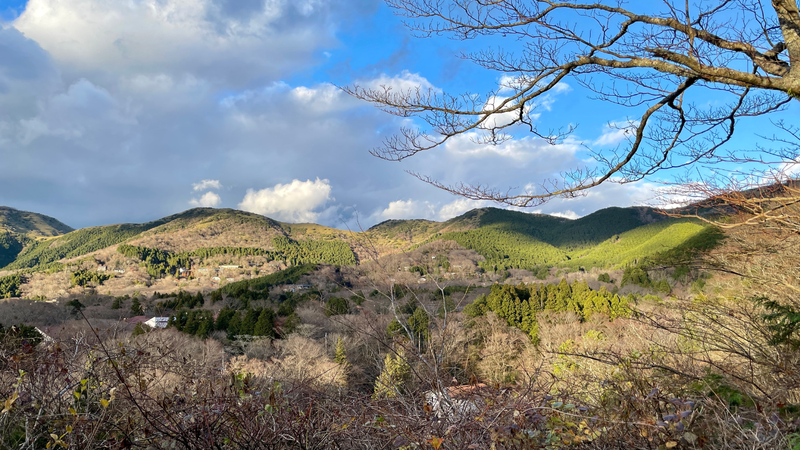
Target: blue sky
[[129, 111]]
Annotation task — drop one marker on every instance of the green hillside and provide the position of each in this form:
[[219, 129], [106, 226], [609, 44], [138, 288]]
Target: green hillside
[[512, 239], [11, 244], [30, 224], [76, 243], [199, 218], [635, 245], [506, 239]]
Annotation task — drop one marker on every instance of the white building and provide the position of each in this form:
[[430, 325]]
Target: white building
[[157, 322]]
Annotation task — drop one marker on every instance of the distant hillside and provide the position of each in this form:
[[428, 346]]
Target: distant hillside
[[30, 224], [506, 239], [19, 228], [513, 239], [189, 231]]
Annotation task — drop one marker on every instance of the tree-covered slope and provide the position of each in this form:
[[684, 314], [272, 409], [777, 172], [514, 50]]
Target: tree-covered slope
[[506, 239], [187, 232], [76, 243], [30, 224], [11, 245], [512, 239], [632, 247]]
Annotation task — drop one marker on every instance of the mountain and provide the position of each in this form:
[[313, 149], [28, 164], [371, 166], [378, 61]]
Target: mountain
[[30, 224], [19, 228], [506, 239], [513, 239], [198, 228]]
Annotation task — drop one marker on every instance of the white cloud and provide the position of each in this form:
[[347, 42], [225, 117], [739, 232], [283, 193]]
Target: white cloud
[[526, 149], [504, 119], [298, 201], [568, 214], [211, 37], [403, 82], [405, 209], [206, 185], [460, 206], [208, 200], [616, 132]]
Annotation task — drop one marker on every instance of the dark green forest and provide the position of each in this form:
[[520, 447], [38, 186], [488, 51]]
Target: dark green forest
[[313, 252], [11, 245], [77, 243], [519, 305], [9, 286], [161, 262]]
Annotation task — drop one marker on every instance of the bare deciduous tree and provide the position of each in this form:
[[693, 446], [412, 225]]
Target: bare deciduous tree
[[663, 60]]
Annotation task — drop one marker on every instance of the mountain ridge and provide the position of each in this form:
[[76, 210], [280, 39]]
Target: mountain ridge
[[505, 238], [30, 224]]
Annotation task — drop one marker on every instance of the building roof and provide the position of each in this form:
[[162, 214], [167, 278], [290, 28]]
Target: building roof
[[137, 319]]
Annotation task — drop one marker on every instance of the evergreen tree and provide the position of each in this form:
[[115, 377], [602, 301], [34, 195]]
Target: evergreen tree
[[563, 296], [199, 300], [138, 330], [136, 307], [206, 325], [224, 317], [265, 326], [249, 322], [192, 323], [418, 324], [234, 326], [337, 306], [393, 376], [117, 303], [341, 353]]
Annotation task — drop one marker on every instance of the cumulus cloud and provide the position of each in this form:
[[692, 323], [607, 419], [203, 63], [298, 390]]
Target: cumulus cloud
[[208, 200], [206, 185], [460, 206], [298, 201], [406, 209], [210, 37], [103, 100]]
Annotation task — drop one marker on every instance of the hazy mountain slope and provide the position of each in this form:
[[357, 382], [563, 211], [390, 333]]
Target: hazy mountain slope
[[30, 224]]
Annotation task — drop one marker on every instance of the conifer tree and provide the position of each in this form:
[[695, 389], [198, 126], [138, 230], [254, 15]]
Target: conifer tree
[[265, 326], [341, 353], [249, 321], [136, 307], [234, 326], [138, 330], [224, 318], [418, 323], [192, 323], [199, 300], [394, 374]]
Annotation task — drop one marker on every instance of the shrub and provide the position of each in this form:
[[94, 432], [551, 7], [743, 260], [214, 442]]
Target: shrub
[[637, 276], [337, 306]]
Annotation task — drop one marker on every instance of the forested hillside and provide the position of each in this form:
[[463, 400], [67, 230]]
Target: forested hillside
[[30, 224], [612, 237]]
